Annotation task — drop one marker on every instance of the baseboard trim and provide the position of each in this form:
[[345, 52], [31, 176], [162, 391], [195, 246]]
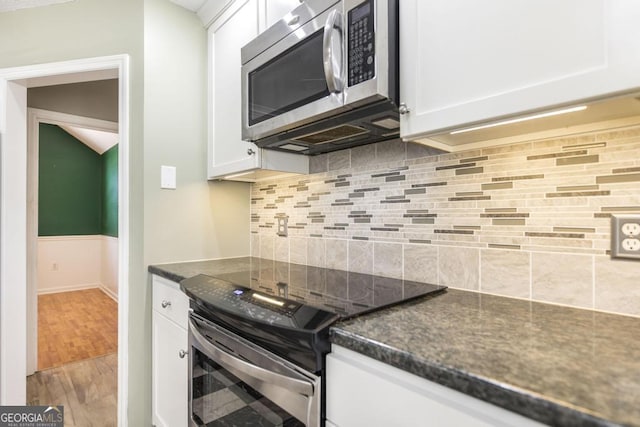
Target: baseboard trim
[[109, 292], [69, 288], [103, 288], [72, 288]]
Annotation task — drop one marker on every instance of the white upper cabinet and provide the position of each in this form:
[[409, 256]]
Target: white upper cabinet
[[464, 62], [274, 10], [229, 156]]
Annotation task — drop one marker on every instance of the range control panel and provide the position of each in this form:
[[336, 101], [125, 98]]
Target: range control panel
[[241, 300], [361, 43]]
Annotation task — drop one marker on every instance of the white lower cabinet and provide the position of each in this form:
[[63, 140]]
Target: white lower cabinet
[[170, 343], [365, 392]]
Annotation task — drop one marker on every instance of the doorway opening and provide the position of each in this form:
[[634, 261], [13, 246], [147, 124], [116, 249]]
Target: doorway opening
[[73, 211], [19, 219], [73, 177]]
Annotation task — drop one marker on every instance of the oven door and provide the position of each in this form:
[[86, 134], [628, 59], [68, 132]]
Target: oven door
[[234, 382], [298, 79]]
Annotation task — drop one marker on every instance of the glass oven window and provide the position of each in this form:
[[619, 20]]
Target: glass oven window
[[221, 399], [292, 79]]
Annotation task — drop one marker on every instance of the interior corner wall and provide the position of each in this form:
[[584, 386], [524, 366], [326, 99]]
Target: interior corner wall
[[109, 192], [109, 265], [69, 263], [198, 219], [88, 29], [78, 215], [109, 229]]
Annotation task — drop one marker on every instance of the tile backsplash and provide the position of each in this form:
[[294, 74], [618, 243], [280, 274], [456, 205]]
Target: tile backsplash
[[529, 220]]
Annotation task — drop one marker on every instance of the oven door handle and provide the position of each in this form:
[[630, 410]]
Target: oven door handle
[[332, 54], [240, 367]]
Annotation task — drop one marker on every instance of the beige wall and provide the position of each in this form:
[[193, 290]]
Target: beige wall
[[199, 219], [86, 29], [97, 99], [167, 126]]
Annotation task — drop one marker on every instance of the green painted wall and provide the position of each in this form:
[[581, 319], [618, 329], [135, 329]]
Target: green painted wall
[[109, 225], [77, 189], [69, 185]]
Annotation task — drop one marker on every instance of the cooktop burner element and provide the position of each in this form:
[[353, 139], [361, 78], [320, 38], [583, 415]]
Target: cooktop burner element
[[288, 308]]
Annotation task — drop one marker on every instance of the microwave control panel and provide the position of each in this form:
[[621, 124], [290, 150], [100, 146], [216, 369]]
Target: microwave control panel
[[361, 43]]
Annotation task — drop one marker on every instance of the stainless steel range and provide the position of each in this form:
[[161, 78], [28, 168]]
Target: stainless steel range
[[258, 342]]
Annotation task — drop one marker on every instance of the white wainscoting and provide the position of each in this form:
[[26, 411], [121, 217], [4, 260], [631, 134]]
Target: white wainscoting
[[109, 271], [68, 263]]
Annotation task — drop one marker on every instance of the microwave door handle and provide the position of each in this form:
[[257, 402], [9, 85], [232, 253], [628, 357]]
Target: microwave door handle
[[332, 53]]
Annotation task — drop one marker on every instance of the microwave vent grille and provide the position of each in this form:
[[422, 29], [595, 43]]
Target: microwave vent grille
[[331, 135]]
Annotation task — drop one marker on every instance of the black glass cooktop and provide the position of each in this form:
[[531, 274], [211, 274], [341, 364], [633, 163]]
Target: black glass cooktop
[[289, 307]]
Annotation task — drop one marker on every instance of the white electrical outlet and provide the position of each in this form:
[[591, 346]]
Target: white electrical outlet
[[630, 229], [283, 228], [631, 245], [625, 236]]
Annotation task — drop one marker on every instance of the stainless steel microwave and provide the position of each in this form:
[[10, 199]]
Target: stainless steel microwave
[[323, 78]]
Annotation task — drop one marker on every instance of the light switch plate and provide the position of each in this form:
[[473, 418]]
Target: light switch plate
[[168, 177], [625, 236]]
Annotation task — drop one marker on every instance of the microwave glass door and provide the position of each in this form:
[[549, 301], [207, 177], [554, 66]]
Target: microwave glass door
[[296, 80], [292, 79]]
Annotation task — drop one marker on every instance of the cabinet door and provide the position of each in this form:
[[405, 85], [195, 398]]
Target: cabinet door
[[228, 153], [274, 10], [170, 373], [365, 392], [464, 61]]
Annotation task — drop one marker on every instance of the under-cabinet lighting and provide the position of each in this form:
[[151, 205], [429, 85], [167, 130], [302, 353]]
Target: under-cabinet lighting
[[522, 119], [269, 300], [236, 175]]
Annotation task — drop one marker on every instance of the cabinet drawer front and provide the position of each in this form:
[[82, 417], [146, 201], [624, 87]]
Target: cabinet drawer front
[[170, 301]]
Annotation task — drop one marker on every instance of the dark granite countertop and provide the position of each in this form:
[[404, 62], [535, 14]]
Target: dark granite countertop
[[557, 365], [179, 271]]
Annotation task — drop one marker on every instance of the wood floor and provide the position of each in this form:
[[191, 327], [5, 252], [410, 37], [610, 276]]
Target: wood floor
[[77, 357], [75, 326], [86, 389]]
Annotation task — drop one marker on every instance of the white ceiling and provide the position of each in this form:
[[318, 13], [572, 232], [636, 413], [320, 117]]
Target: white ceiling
[[9, 5], [192, 5], [99, 141]]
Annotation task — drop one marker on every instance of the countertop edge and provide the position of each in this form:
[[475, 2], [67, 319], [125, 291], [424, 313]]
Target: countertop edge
[[532, 406], [159, 271]]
